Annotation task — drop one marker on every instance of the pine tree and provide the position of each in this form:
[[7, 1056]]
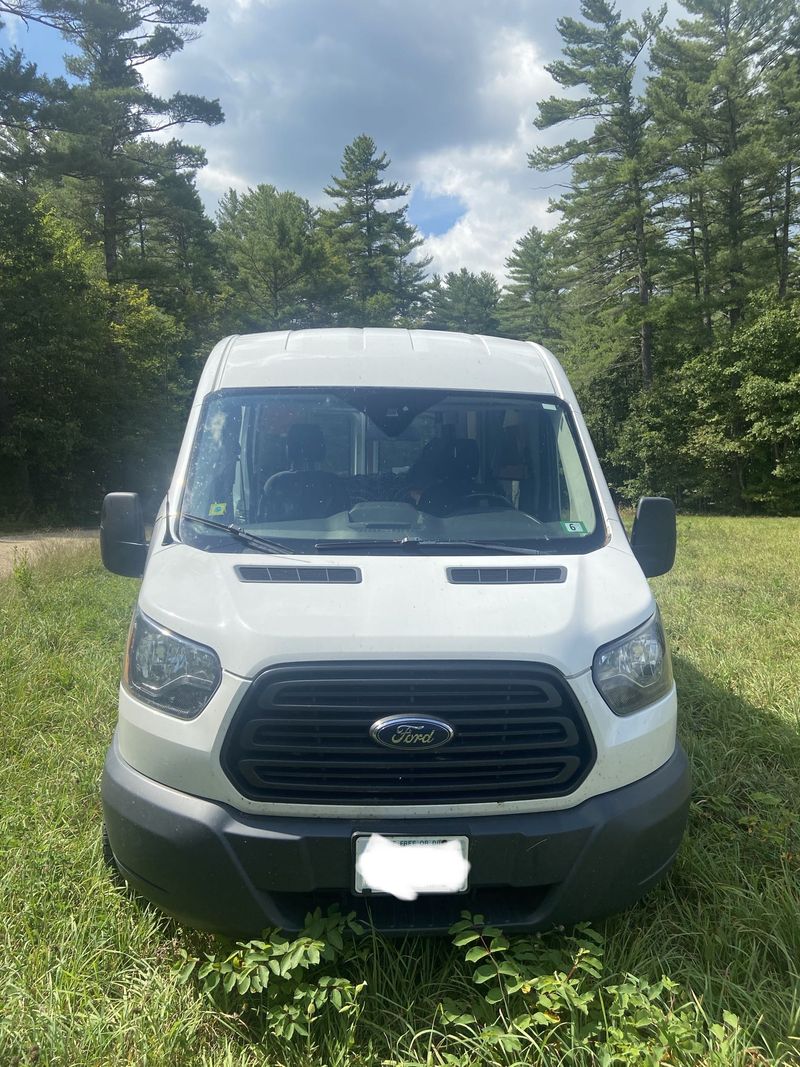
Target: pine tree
[[780, 139], [465, 301], [529, 306], [109, 113], [608, 205], [708, 97], [379, 244], [31, 104], [278, 264]]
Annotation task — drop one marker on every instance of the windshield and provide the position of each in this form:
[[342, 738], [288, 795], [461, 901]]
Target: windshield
[[313, 467]]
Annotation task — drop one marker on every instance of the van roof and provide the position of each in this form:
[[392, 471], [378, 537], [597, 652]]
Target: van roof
[[424, 359]]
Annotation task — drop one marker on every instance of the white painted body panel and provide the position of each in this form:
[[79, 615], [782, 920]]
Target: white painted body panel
[[404, 608]]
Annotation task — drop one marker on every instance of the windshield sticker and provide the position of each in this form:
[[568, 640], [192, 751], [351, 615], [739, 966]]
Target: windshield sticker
[[573, 527], [217, 509]]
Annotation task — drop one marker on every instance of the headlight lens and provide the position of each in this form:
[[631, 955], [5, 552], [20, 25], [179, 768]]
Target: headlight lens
[[168, 671], [636, 670]]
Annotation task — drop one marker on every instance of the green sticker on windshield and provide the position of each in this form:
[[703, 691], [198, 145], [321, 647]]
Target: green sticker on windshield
[[573, 527], [218, 509]]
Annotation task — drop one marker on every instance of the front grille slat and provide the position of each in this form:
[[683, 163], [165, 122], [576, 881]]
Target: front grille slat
[[548, 773], [403, 766], [301, 734], [304, 750]]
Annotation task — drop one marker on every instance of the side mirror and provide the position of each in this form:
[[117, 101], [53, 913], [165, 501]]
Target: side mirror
[[123, 548], [654, 535]]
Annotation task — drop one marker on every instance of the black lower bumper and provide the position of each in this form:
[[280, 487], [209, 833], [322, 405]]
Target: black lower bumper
[[217, 869]]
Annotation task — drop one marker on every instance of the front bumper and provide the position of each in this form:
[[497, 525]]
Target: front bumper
[[218, 869]]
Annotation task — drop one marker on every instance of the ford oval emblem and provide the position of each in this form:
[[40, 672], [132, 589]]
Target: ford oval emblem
[[411, 733]]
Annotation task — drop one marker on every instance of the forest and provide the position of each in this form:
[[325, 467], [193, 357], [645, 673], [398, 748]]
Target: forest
[[668, 287]]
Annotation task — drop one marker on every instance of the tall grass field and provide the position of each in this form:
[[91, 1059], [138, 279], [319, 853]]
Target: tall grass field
[[706, 970]]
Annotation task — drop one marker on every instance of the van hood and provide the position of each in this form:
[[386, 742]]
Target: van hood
[[403, 608]]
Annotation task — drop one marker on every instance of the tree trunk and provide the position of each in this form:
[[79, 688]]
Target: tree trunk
[[734, 223], [693, 248], [735, 264], [110, 225], [646, 333], [706, 247], [783, 265], [140, 225]]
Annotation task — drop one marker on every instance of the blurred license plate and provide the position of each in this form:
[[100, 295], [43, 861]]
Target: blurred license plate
[[430, 865]]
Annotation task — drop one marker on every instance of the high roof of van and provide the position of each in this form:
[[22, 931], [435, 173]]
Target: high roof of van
[[423, 359]]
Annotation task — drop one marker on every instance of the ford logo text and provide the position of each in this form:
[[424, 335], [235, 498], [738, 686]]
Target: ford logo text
[[407, 733]]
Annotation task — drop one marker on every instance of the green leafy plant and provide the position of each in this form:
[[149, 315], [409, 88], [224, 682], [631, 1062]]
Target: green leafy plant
[[550, 990], [293, 979]]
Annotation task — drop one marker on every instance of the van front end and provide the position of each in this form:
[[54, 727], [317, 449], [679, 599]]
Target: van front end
[[386, 623], [219, 869]]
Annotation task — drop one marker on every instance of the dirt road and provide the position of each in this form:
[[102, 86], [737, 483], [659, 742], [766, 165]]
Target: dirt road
[[33, 544]]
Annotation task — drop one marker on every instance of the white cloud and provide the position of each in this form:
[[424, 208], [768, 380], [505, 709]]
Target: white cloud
[[492, 177], [448, 89], [499, 207], [214, 181]]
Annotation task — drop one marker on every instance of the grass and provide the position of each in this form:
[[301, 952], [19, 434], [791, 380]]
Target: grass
[[87, 973]]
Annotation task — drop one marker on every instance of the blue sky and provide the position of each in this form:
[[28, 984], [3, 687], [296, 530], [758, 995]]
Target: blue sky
[[448, 88], [43, 46]]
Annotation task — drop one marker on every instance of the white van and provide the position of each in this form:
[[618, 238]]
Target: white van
[[393, 649]]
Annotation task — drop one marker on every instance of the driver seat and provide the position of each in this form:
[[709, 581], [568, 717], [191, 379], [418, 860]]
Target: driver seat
[[457, 479], [303, 492]]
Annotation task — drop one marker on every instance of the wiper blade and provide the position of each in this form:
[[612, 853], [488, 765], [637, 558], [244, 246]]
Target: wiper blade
[[263, 544], [339, 544], [492, 546], [415, 544]]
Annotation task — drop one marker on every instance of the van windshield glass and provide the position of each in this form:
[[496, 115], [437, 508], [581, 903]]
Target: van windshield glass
[[313, 467]]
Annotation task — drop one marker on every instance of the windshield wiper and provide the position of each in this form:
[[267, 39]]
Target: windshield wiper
[[263, 544], [415, 544]]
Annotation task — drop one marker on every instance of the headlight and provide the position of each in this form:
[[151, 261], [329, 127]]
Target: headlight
[[170, 672], [636, 670]]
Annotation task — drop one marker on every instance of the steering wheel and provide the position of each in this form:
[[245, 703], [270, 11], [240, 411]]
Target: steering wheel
[[403, 495], [481, 501]]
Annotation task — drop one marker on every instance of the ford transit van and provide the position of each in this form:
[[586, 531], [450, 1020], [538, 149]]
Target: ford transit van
[[393, 649]]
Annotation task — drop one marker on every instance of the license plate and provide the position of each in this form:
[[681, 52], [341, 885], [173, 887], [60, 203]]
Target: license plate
[[407, 866]]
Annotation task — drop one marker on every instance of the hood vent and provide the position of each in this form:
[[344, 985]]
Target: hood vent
[[506, 575], [314, 575]]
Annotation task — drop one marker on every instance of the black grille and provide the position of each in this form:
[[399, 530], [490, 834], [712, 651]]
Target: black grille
[[317, 575], [505, 906], [301, 734], [506, 575]]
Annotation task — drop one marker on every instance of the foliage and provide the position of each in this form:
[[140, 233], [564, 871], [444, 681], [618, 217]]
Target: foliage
[[464, 301], [281, 269], [607, 208], [106, 115], [723, 428], [746, 421], [288, 976], [551, 992], [529, 307], [676, 248], [379, 244], [85, 370]]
